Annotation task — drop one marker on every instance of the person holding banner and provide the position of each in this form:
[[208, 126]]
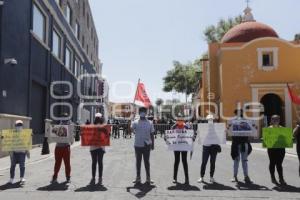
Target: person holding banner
[[97, 154], [211, 151], [276, 155], [62, 153], [240, 150], [297, 137], [180, 124], [18, 157], [144, 143]]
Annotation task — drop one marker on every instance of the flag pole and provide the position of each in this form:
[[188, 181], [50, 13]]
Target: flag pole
[[135, 96]]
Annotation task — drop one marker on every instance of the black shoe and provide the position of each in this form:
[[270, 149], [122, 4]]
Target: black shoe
[[93, 181], [175, 181], [247, 180], [68, 180], [100, 182], [54, 181], [274, 181], [282, 182]]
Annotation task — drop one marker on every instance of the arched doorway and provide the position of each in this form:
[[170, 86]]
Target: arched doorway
[[273, 105]]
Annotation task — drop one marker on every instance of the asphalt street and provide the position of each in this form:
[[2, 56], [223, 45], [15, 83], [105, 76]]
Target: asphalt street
[[119, 171]]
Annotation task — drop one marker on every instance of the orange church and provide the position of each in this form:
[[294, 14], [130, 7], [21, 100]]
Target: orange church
[[251, 64]]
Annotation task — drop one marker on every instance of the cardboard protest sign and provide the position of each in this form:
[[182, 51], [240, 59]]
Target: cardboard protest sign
[[60, 133], [180, 139], [241, 127], [95, 135], [11, 140], [212, 133], [277, 137]]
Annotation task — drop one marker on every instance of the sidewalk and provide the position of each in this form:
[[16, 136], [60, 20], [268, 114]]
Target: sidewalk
[[35, 156]]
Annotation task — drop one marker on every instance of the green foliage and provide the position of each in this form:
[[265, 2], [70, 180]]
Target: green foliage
[[183, 78], [215, 33], [297, 37], [159, 102]]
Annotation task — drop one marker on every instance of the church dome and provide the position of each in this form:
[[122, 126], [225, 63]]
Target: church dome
[[248, 30]]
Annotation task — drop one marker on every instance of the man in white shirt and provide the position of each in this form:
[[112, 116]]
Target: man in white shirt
[[144, 143]]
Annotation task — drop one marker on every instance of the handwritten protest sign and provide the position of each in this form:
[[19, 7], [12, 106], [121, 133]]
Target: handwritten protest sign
[[60, 133], [92, 135], [240, 127], [16, 141], [277, 137], [212, 133], [180, 139]]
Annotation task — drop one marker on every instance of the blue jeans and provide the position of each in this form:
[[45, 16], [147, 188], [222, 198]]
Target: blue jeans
[[244, 157], [17, 158]]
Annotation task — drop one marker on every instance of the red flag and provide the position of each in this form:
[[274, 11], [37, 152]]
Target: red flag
[[141, 97], [295, 98]]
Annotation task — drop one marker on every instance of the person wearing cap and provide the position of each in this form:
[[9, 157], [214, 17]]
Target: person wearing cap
[[209, 151], [296, 133], [143, 144], [62, 153], [18, 157], [240, 150], [97, 154], [180, 124], [276, 155]]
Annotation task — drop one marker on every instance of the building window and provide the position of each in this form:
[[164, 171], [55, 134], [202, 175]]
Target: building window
[[83, 8], [39, 23], [82, 42], [77, 29], [267, 58], [56, 44], [68, 14], [88, 20], [77, 68], [68, 59]]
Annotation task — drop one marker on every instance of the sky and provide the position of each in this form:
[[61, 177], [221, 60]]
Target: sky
[[141, 38]]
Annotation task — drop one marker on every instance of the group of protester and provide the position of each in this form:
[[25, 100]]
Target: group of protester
[[144, 144]]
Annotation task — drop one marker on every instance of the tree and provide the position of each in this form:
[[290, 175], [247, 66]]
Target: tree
[[182, 78], [159, 102], [297, 37], [214, 33]]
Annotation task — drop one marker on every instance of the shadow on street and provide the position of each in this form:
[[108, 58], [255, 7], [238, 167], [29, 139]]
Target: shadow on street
[[9, 186], [216, 186], [92, 188], [143, 189], [286, 188], [251, 186], [55, 187], [184, 187]]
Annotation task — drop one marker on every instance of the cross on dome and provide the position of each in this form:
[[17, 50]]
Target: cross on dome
[[248, 16]]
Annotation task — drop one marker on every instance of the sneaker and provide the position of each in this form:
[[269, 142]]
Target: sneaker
[[149, 181], [137, 180], [274, 181], [11, 181], [235, 179], [212, 180], [100, 182], [93, 181], [22, 181], [282, 182], [247, 180], [187, 182], [200, 180], [68, 180], [54, 181]]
